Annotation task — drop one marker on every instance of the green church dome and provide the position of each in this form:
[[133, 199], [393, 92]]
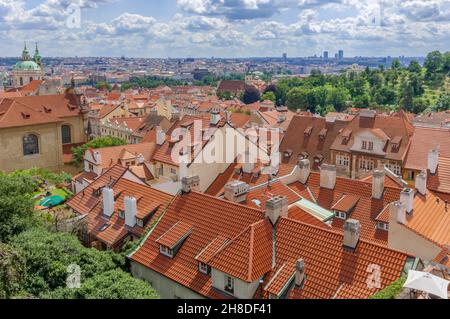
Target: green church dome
[[26, 66]]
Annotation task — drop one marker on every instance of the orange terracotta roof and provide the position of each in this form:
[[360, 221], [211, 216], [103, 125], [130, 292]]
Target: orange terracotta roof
[[424, 140], [430, 218], [300, 215], [261, 194], [249, 255], [175, 234], [85, 201], [366, 210], [209, 251], [15, 114], [32, 86], [440, 182], [333, 271], [346, 203], [211, 217], [150, 204]]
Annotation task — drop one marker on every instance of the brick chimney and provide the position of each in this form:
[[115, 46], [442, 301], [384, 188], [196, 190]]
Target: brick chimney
[[305, 169], [276, 207], [299, 272], [433, 160], [352, 229], [407, 198], [378, 184], [327, 176], [108, 201], [236, 191], [190, 184], [421, 182], [160, 136], [398, 212], [130, 205]]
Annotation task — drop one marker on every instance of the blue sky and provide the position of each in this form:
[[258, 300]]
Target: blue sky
[[225, 28]]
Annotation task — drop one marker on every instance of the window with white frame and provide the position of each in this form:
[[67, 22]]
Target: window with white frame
[[366, 164], [340, 215], [342, 160], [122, 214], [367, 145], [395, 168], [203, 268], [139, 222], [166, 251], [229, 284], [383, 226]]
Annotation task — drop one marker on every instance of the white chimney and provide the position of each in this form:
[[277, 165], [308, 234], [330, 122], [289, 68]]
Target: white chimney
[[215, 117], [98, 157], [108, 201], [190, 183], [398, 212], [299, 272], [276, 207], [378, 184], [236, 191], [305, 169], [140, 159], [407, 198], [433, 160], [130, 205], [327, 176], [352, 229], [421, 182], [160, 136]]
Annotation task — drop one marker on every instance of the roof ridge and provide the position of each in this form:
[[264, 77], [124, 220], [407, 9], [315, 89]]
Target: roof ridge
[[250, 257]]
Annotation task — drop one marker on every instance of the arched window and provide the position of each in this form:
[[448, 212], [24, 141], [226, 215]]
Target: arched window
[[30, 144], [66, 134]]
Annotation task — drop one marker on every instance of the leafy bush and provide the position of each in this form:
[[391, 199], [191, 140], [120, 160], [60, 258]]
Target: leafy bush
[[391, 291], [105, 141]]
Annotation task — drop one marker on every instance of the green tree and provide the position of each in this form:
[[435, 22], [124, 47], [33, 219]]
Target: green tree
[[113, 284], [105, 141], [337, 97], [251, 95], [269, 96], [433, 63], [414, 67], [297, 98], [16, 205], [103, 86], [446, 63], [395, 64], [12, 267]]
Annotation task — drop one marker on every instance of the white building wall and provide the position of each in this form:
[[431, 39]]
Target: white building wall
[[242, 289]]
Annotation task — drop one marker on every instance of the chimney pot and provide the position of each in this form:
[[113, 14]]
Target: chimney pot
[[433, 160], [191, 183], [108, 201], [327, 176], [378, 184], [130, 205], [352, 229], [236, 191], [305, 169], [299, 272], [421, 182], [276, 207], [407, 198]]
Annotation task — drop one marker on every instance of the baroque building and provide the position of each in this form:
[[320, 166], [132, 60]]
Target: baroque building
[[28, 69]]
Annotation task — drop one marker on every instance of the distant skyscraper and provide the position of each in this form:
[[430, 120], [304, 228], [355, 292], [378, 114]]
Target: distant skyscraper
[[325, 54], [341, 54], [335, 55], [285, 57]]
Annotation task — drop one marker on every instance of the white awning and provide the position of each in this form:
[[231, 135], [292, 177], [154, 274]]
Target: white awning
[[427, 282]]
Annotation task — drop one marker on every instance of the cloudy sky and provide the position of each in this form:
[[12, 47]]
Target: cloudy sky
[[224, 28]]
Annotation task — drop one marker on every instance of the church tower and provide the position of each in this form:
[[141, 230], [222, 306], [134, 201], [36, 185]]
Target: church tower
[[28, 69]]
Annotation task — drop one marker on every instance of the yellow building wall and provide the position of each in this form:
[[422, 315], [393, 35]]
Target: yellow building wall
[[50, 148], [77, 127]]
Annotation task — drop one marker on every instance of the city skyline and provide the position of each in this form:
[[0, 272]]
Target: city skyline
[[225, 29]]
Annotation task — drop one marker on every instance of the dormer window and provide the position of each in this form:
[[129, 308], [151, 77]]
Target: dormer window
[[139, 222], [229, 284], [204, 268], [340, 215], [308, 131], [122, 214], [383, 226], [166, 251], [367, 145]]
